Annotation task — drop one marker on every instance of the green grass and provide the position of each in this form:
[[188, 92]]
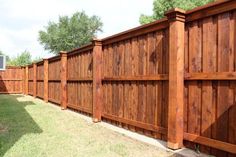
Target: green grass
[[31, 128]]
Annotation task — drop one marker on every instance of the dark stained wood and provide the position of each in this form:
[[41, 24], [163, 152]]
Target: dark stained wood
[[138, 124], [176, 79], [211, 142], [210, 9], [223, 86], [144, 29], [26, 80], [45, 91], [34, 80], [157, 77], [11, 80], [209, 56], [170, 79], [63, 79], [210, 76], [97, 80]]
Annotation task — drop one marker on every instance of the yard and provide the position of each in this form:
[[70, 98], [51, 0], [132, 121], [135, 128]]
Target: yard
[[29, 127]]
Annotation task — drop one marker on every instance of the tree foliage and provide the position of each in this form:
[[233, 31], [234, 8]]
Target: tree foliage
[[21, 59], [161, 6], [70, 32]]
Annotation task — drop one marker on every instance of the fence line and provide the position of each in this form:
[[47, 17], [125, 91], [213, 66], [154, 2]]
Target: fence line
[[173, 79]]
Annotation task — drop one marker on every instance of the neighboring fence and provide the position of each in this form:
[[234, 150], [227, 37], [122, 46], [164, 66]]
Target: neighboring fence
[[11, 80], [174, 79]]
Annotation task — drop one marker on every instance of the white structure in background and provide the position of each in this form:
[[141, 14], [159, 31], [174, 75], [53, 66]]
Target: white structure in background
[[2, 62]]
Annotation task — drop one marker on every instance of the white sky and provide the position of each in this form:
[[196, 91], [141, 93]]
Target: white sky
[[20, 20]]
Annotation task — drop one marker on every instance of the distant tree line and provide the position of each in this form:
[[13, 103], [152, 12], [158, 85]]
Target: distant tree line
[[21, 59], [66, 34]]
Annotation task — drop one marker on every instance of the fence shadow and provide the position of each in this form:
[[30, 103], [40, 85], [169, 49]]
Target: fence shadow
[[15, 121], [3, 88]]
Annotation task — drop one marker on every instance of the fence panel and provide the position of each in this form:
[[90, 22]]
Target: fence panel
[[134, 93], [79, 83], [210, 103], [54, 80], [11, 80], [30, 80], [40, 78]]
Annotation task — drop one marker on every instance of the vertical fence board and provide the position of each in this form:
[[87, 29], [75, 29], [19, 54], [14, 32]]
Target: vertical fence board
[[139, 83]]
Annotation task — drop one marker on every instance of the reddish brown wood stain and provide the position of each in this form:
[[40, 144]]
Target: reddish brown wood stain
[[173, 79]]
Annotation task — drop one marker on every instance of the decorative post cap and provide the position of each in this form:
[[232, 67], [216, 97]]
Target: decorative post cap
[[176, 14], [44, 59], [96, 42], [63, 53]]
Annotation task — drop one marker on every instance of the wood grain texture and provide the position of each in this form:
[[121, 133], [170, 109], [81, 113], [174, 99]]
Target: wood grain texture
[[171, 79], [45, 81], [63, 71], [176, 79], [11, 80]]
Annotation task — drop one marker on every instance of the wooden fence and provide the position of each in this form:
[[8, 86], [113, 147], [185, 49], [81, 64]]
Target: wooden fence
[[173, 79], [11, 80]]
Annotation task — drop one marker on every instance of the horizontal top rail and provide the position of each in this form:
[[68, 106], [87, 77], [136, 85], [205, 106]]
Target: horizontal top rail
[[39, 63], [147, 28], [55, 58], [82, 49], [13, 67], [210, 9]]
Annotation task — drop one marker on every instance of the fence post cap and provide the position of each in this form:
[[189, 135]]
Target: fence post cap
[[63, 53], [176, 14], [96, 42], [45, 59]]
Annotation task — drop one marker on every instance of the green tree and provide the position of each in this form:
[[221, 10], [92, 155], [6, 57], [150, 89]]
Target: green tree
[[70, 32], [161, 6], [21, 59]]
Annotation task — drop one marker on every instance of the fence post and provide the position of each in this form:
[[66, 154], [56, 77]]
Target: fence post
[[35, 80], [23, 80], [176, 18], [27, 80], [63, 55], [97, 80], [45, 79]]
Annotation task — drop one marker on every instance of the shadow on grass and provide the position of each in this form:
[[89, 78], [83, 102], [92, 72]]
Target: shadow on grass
[[15, 121]]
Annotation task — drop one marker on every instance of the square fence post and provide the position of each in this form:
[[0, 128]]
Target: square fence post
[[45, 80], [176, 18], [97, 80], [63, 55], [35, 80], [23, 80], [27, 80]]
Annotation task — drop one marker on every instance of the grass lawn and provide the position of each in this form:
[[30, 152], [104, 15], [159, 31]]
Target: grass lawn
[[31, 128]]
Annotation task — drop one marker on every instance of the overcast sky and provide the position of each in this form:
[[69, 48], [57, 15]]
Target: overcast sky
[[20, 20]]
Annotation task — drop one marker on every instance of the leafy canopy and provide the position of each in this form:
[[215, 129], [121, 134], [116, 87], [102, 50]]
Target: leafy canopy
[[21, 59], [161, 6], [70, 32]]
